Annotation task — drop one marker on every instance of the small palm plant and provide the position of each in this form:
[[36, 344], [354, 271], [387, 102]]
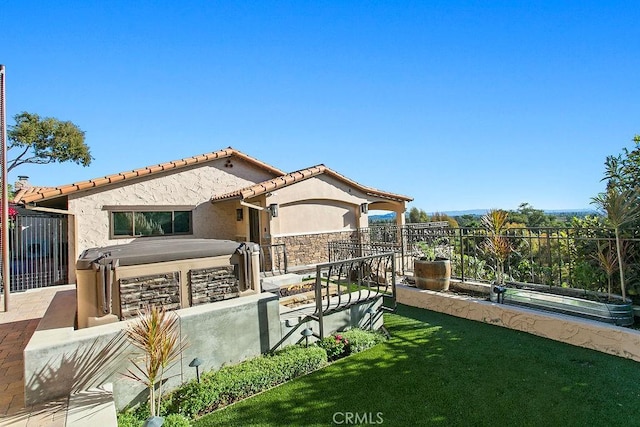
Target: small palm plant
[[621, 208], [156, 333], [495, 224], [606, 257]]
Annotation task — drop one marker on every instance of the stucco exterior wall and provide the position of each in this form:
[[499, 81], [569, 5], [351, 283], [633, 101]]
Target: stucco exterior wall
[[192, 187], [315, 205]]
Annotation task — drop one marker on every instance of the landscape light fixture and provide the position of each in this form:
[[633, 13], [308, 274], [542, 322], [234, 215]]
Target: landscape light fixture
[[370, 311], [194, 364], [306, 333], [153, 422]]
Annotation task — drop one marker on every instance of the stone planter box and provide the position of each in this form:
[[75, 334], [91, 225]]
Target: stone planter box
[[617, 313], [607, 338]]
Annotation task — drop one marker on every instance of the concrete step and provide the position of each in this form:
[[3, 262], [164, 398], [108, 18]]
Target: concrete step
[[273, 284]]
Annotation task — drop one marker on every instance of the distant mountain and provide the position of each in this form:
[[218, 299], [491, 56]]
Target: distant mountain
[[385, 217]]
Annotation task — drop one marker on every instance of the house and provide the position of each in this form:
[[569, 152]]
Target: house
[[225, 194]]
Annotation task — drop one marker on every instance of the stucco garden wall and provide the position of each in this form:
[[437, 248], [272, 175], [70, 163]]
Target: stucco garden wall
[[192, 186], [59, 360]]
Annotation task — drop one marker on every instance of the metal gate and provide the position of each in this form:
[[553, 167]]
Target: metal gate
[[38, 251]]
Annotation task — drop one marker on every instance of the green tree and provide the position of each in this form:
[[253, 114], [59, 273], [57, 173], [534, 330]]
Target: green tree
[[417, 215], [623, 171], [438, 216], [622, 209], [621, 204], [531, 217], [468, 220], [45, 140]]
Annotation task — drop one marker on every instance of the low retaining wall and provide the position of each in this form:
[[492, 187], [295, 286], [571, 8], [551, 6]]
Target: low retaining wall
[[60, 361], [352, 317], [619, 341]]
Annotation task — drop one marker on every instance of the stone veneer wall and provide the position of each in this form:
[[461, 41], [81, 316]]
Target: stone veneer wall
[[307, 249], [157, 289], [213, 284]]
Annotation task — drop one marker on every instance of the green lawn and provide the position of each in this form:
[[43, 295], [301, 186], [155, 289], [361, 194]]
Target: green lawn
[[444, 371]]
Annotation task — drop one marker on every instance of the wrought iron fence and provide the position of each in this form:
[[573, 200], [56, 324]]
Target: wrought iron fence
[[554, 256], [38, 251], [346, 249]]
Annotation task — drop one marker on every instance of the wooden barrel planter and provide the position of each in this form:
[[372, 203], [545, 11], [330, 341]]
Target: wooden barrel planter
[[432, 275]]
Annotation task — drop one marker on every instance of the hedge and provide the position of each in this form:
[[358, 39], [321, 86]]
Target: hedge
[[233, 383]]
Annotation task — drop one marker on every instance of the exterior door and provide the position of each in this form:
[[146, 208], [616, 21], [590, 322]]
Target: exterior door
[[254, 226]]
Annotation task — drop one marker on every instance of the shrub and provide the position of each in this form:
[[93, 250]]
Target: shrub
[[360, 340], [176, 420], [232, 383], [128, 419], [336, 346], [351, 341]]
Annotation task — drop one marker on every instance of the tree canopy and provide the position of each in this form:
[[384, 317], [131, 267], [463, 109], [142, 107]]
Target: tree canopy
[[45, 140], [417, 215]]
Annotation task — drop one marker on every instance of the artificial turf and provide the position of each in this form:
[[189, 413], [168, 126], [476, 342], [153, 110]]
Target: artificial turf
[[439, 370]]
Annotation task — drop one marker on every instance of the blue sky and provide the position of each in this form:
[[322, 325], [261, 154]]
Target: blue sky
[[459, 104]]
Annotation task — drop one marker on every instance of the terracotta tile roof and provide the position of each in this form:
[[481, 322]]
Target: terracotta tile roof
[[28, 192], [288, 179], [34, 194]]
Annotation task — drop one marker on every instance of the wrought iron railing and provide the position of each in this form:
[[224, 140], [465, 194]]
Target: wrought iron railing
[[273, 259], [341, 284], [346, 249]]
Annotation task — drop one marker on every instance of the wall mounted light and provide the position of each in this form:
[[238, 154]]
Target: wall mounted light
[[364, 208], [195, 363], [273, 210], [239, 214]]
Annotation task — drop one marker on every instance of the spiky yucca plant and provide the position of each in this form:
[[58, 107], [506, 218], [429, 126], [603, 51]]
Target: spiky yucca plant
[[155, 332], [495, 223]]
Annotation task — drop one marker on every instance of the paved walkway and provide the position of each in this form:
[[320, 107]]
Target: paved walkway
[[16, 328]]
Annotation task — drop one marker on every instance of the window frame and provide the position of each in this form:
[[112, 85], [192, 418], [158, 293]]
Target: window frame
[[172, 209]]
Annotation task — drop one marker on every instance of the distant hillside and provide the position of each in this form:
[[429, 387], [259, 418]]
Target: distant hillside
[[479, 212], [382, 218]]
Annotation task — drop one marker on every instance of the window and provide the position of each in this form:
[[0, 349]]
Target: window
[[137, 223]]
